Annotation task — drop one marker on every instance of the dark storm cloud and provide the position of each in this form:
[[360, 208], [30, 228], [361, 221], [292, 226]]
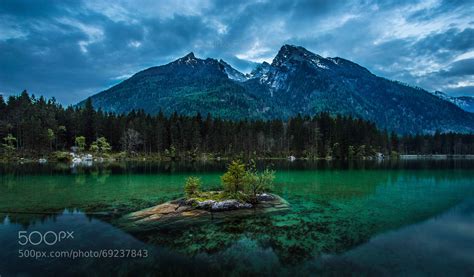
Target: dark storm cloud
[[72, 49], [35, 9], [461, 68], [452, 39]]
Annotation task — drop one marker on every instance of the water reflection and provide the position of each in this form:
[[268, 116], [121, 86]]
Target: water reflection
[[443, 245], [342, 215], [218, 166]]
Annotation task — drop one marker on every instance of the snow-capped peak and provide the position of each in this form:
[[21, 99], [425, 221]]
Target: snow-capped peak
[[261, 70], [464, 102], [233, 73], [290, 54], [188, 59]]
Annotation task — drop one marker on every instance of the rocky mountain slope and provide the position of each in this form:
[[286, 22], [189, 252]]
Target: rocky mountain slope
[[464, 102]]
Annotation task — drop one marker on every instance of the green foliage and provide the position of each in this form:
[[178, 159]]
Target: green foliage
[[61, 156], [361, 152], [9, 144], [51, 137], [80, 143], [100, 146], [210, 195], [171, 153], [351, 153], [234, 179], [192, 186], [258, 182]]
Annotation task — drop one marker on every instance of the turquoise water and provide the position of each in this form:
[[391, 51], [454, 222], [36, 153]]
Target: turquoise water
[[370, 218]]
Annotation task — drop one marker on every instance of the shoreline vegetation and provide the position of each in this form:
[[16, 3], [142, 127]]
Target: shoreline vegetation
[[36, 129], [243, 188], [89, 159]]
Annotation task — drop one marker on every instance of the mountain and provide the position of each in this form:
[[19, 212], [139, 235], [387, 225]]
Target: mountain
[[297, 81], [187, 85], [464, 102]]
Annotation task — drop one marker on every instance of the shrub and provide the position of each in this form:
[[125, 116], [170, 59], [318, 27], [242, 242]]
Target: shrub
[[9, 145], [257, 183], [80, 143], [192, 186], [61, 156], [100, 146]]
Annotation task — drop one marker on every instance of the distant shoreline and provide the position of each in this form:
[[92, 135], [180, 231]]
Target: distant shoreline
[[436, 157], [115, 157]]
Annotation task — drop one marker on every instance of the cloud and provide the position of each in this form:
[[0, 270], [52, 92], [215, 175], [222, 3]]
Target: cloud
[[72, 49], [461, 91], [460, 68]]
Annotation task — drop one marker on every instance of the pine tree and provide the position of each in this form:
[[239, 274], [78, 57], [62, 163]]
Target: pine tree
[[233, 179], [89, 129]]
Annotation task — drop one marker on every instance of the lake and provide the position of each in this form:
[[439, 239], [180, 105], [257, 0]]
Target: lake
[[364, 218]]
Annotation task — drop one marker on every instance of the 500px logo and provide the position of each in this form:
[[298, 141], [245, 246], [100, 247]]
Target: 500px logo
[[48, 238]]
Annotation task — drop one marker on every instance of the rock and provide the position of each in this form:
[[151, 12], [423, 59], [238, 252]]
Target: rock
[[245, 206], [206, 205], [181, 202], [42, 161], [88, 157], [265, 197], [76, 160], [228, 205], [190, 202]]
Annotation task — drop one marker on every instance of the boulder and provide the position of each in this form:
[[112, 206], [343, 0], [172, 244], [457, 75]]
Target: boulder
[[206, 205], [189, 202], [77, 160], [87, 157], [265, 197], [228, 205], [181, 202]]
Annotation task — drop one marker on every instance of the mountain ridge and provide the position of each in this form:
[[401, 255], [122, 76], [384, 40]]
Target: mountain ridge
[[297, 81], [466, 103]]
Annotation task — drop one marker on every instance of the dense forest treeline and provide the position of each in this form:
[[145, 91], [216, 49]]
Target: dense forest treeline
[[36, 126]]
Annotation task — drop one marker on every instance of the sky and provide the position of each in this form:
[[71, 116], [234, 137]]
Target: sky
[[73, 49]]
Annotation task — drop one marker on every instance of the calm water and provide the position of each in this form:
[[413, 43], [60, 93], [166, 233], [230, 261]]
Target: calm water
[[405, 218]]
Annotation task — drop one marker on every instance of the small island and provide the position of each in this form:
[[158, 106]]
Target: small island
[[244, 190]]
